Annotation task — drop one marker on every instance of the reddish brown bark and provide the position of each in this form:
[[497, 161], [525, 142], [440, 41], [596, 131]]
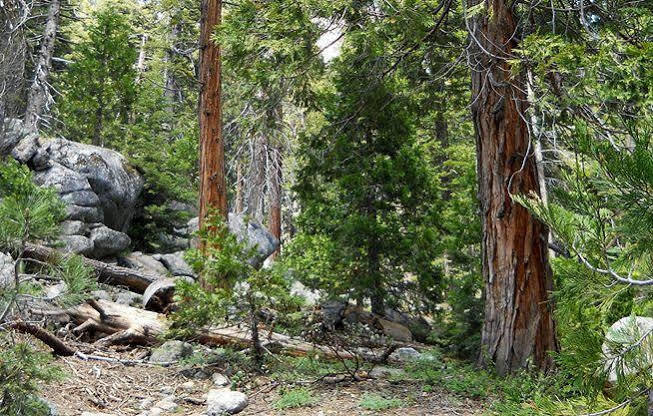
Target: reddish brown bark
[[274, 217], [213, 190], [518, 326]]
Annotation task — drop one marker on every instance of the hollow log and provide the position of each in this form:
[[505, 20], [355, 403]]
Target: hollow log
[[134, 280], [126, 324]]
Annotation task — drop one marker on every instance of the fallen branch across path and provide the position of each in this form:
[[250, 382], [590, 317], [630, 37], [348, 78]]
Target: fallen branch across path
[[134, 280], [58, 346], [128, 325]]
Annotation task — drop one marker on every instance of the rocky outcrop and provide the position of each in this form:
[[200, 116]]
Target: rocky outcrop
[[253, 234], [98, 186]]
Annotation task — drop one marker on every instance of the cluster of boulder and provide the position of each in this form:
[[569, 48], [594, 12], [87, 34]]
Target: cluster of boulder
[[98, 186], [101, 192]]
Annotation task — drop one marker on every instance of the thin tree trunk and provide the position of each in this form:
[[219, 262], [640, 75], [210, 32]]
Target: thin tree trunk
[[172, 91], [213, 190], [39, 95], [518, 326], [140, 64], [239, 187], [274, 190]]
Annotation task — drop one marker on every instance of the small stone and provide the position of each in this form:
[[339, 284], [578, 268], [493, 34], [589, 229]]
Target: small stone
[[129, 298], [155, 411], [406, 354], [146, 403], [385, 372], [188, 386], [220, 402], [169, 351], [168, 404], [220, 380], [167, 389]]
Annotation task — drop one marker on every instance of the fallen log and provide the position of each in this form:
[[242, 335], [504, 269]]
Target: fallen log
[[135, 280], [126, 324]]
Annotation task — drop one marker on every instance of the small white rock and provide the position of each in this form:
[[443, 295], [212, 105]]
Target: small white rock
[[146, 403], [168, 404], [224, 401], [188, 386], [167, 390], [220, 380]]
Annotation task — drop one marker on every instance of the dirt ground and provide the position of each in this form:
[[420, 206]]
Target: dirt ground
[[118, 389]]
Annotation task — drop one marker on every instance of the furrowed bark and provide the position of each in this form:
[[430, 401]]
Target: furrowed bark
[[518, 323], [213, 191]]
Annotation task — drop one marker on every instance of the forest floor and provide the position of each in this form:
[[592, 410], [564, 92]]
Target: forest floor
[[114, 388]]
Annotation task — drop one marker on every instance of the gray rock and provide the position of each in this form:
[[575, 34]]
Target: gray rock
[[168, 404], [85, 198], [169, 351], [176, 265], [310, 296], [77, 244], [112, 179], [26, 148], [129, 298], [54, 291], [170, 243], [224, 401], [385, 372], [71, 227], [252, 233], [255, 236], [417, 325], [406, 354], [51, 407], [188, 386], [220, 380], [143, 262], [332, 313], [86, 214], [108, 242], [624, 333], [6, 270], [101, 294], [13, 134]]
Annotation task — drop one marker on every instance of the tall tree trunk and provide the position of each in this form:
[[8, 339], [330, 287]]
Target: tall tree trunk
[[274, 192], [39, 94], [518, 324], [140, 64], [213, 190], [172, 91], [239, 187]]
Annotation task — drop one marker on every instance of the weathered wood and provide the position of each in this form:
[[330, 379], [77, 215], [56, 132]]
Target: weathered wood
[[126, 324], [38, 96], [134, 280], [518, 326]]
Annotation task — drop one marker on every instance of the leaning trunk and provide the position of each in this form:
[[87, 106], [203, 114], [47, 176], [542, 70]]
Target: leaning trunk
[[518, 325], [39, 95]]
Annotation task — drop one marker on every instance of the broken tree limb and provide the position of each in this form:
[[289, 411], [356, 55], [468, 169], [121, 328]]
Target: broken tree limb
[[58, 346], [126, 324], [134, 280]]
